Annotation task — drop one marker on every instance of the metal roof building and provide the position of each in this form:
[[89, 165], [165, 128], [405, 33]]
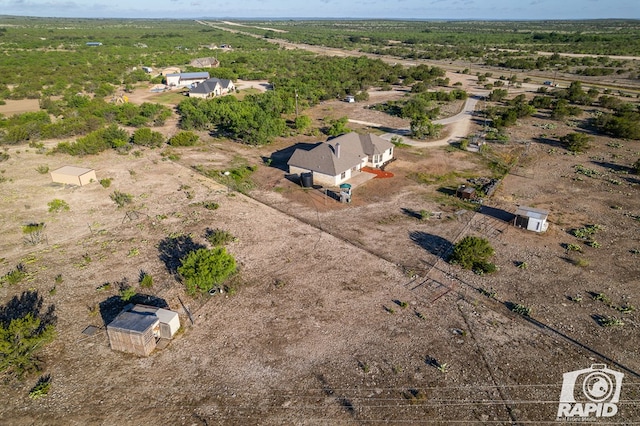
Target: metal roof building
[[531, 219]]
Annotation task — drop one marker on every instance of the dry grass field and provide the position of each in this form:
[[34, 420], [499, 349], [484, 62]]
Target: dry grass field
[[344, 313]]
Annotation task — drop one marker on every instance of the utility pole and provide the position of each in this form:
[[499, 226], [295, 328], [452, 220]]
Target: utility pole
[[296, 92]]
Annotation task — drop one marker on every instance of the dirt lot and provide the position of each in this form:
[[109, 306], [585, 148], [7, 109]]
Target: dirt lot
[[343, 310]]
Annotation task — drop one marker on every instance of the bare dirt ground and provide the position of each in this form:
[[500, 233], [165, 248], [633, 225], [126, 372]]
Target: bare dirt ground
[[20, 106], [343, 310]]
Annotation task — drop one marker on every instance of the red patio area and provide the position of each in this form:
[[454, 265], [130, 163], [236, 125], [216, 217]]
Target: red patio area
[[379, 173]]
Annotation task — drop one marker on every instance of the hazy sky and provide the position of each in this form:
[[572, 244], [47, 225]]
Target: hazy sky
[[416, 9]]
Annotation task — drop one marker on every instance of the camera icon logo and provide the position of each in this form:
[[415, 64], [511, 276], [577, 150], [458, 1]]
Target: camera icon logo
[[590, 392]]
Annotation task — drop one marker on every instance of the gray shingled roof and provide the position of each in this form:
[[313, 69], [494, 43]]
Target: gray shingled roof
[[353, 148], [209, 85]]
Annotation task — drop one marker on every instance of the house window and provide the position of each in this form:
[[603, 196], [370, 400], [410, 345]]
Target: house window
[[343, 175]]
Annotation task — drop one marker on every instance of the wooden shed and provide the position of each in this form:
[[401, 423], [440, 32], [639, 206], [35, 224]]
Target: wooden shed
[[134, 332], [466, 192], [72, 175]]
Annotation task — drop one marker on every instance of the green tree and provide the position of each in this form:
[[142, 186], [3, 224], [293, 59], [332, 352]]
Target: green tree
[[422, 128], [302, 122], [576, 142], [147, 137], [203, 269], [623, 124], [20, 340], [338, 127], [497, 95], [184, 139], [472, 253]]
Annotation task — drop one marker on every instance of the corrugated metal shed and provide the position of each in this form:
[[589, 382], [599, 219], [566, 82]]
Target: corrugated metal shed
[[531, 212], [193, 75]]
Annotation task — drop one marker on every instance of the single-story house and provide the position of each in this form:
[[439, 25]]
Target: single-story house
[[72, 175], [138, 328], [211, 88], [186, 79], [337, 160], [531, 219]]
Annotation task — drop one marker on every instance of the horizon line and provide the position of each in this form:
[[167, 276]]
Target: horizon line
[[308, 18]]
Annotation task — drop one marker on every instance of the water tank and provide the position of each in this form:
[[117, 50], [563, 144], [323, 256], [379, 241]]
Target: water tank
[[306, 180]]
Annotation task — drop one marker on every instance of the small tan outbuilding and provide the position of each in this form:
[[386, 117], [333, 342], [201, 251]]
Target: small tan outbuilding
[[71, 175]]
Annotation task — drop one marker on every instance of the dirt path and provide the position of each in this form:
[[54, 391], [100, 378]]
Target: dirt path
[[458, 129]]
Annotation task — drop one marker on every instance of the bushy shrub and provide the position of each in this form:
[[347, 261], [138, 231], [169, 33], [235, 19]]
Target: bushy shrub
[[576, 142], [96, 142], [121, 198], [203, 269], [147, 137], [219, 237], [184, 139], [302, 122], [57, 205], [473, 253], [146, 281]]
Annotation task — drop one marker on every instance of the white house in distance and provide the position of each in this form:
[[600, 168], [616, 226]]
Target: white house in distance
[[337, 160], [186, 79], [211, 88], [531, 219]]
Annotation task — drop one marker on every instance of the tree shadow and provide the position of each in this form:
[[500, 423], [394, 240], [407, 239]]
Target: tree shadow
[[172, 249], [497, 213], [411, 213], [446, 190], [279, 159], [330, 392], [554, 143], [434, 244], [112, 306], [633, 180], [29, 302], [613, 166]]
